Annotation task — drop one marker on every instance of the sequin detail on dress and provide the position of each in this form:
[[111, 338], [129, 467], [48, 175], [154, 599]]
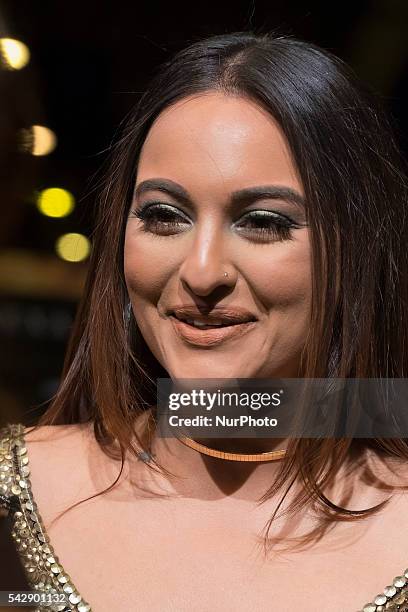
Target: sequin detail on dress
[[43, 569], [41, 565]]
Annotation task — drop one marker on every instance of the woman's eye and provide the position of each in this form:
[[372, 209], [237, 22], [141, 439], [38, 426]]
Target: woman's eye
[[265, 226], [258, 226], [162, 219]]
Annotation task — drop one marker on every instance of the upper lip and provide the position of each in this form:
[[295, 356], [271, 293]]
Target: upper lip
[[225, 314]]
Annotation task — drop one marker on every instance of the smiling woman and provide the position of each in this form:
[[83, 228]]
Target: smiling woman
[[253, 225], [229, 202]]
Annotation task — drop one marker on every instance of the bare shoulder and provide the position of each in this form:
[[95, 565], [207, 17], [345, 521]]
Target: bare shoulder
[[60, 460], [56, 447], [53, 433]]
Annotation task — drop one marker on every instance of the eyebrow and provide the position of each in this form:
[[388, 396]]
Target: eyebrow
[[241, 197]]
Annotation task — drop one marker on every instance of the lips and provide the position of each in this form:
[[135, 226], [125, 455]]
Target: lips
[[219, 315], [228, 324]]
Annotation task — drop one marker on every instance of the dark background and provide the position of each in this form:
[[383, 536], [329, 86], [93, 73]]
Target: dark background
[[89, 63]]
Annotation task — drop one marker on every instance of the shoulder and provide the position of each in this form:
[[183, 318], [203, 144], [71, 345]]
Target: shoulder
[[67, 465], [54, 449], [56, 459], [59, 438], [10, 432]]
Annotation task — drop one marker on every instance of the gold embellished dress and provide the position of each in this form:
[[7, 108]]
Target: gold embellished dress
[[42, 567]]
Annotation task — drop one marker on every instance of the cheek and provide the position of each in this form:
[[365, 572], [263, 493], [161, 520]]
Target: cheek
[[145, 273], [147, 265], [281, 276]]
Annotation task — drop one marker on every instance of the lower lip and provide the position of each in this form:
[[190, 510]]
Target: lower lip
[[210, 337]]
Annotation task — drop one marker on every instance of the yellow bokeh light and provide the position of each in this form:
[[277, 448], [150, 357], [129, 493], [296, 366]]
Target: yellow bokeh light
[[55, 202], [37, 140], [14, 53], [44, 140], [73, 247]]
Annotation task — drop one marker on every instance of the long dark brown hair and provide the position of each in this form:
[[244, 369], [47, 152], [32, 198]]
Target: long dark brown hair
[[354, 179]]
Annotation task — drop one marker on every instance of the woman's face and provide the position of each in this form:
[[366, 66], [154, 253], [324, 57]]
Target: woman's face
[[217, 191]]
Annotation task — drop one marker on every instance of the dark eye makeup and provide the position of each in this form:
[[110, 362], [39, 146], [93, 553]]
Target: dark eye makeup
[[260, 225]]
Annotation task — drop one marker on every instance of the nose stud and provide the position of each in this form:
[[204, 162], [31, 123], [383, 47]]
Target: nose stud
[[225, 273]]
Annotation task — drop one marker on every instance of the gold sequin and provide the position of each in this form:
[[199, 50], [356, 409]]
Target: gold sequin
[[63, 578], [40, 563], [380, 600], [74, 598], [25, 470], [399, 581], [390, 591]]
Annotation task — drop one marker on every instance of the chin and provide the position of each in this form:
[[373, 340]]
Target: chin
[[204, 371]]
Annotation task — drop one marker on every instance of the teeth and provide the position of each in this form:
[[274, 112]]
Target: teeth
[[201, 324], [215, 323]]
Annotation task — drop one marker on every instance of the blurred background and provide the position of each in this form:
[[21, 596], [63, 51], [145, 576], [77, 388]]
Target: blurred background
[[69, 73]]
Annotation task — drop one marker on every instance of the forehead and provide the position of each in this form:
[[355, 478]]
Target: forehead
[[217, 140]]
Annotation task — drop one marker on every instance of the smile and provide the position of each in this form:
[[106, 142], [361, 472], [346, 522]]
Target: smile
[[201, 334], [203, 324]]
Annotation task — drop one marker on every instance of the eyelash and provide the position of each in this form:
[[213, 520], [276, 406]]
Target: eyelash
[[279, 230]]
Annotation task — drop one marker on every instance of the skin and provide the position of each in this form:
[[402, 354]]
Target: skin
[[213, 145], [198, 537]]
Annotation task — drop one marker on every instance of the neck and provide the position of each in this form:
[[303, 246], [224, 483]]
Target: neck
[[205, 477]]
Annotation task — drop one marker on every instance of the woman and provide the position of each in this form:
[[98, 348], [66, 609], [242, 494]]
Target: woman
[[257, 184]]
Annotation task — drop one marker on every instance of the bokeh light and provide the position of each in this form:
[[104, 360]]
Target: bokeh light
[[45, 140], [14, 54], [37, 140], [55, 202], [73, 247]]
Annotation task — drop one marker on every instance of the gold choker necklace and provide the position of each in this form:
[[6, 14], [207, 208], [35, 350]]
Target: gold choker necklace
[[268, 456]]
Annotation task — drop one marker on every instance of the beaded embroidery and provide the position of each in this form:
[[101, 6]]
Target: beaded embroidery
[[41, 565]]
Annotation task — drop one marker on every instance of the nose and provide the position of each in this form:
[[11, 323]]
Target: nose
[[205, 264]]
